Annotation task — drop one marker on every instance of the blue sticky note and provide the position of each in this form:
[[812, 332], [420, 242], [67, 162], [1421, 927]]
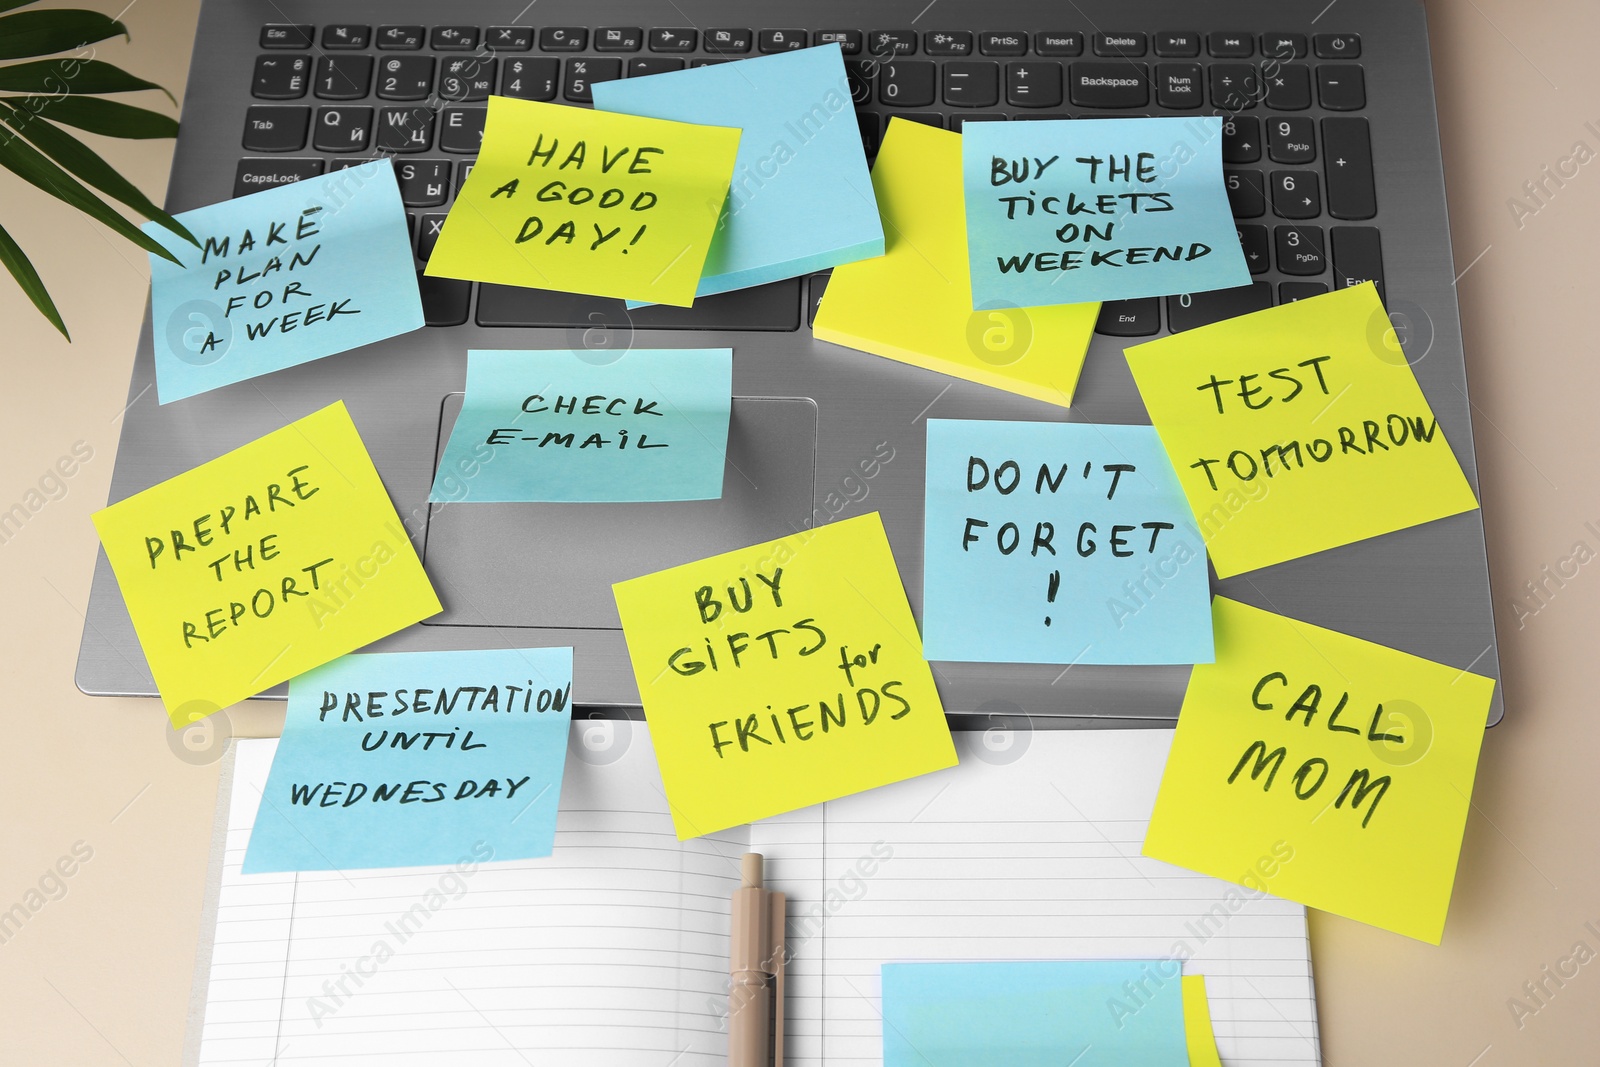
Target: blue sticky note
[[1052, 542], [283, 276], [801, 199], [411, 759], [1067, 211], [591, 425], [1099, 1013]]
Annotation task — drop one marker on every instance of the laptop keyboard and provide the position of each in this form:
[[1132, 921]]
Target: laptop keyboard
[[1296, 148]]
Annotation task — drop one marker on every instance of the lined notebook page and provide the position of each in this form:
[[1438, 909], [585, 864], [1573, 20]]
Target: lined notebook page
[[1038, 858]]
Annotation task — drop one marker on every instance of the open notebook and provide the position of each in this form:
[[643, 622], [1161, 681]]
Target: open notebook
[[613, 951]]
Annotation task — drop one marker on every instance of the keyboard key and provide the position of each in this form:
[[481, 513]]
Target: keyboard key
[[1341, 87], [466, 78], [1173, 44], [1188, 311], [1058, 43], [1300, 250], [563, 39], [948, 43], [530, 79], [423, 182], [346, 35], [1224, 44], [1234, 86], [290, 36], [1033, 84], [445, 301], [892, 42], [780, 40], [814, 291], [849, 41], [906, 83], [1129, 318], [463, 172], [1253, 242], [254, 175], [673, 40], [280, 77], [1289, 292], [1119, 45], [728, 42], [428, 229], [958, 121], [1357, 257], [342, 129], [273, 128], [582, 73], [1337, 45], [618, 39], [927, 118], [1292, 140], [405, 77], [405, 129], [1247, 193], [509, 38], [1288, 88], [645, 66], [769, 308], [859, 73], [1110, 85], [1283, 45], [696, 64], [1241, 139], [1002, 43], [972, 84], [1347, 150], [343, 77], [1178, 85], [400, 37], [1296, 194], [461, 130], [871, 132], [454, 38]]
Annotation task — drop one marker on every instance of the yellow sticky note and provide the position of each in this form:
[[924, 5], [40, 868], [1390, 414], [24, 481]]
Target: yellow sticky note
[[1297, 429], [914, 303], [1197, 1032], [263, 563], [1323, 769], [782, 675], [586, 201]]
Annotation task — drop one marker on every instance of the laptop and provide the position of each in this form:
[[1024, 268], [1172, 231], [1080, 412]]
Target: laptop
[[1330, 101]]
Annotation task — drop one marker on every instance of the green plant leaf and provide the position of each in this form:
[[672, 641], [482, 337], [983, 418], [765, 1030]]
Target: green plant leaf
[[81, 161], [105, 117], [44, 33], [57, 76], [33, 168], [29, 282]]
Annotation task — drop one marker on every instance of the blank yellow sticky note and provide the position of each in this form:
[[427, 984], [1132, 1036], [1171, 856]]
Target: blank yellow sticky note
[[263, 563], [914, 303], [782, 675], [1297, 429], [1197, 1032], [586, 201], [1323, 769]]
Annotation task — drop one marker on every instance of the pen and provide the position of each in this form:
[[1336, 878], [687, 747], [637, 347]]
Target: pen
[[755, 970]]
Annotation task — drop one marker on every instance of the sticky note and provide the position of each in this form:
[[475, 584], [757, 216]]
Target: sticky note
[[800, 198], [1087, 1013], [644, 424], [782, 675], [283, 276], [1064, 211], [1198, 1035], [1051, 542], [1297, 429], [263, 563], [585, 201], [1323, 769], [914, 303], [410, 759]]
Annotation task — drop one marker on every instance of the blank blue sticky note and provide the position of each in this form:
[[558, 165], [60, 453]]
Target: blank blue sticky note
[[413, 759], [600, 425], [283, 276], [1034, 1014], [1050, 542], [1067, 211], [800, 199]]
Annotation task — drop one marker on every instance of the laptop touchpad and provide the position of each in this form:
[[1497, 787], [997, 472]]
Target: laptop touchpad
[[553, 564]]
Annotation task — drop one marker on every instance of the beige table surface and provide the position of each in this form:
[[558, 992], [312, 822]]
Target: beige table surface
[[100, 974]]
